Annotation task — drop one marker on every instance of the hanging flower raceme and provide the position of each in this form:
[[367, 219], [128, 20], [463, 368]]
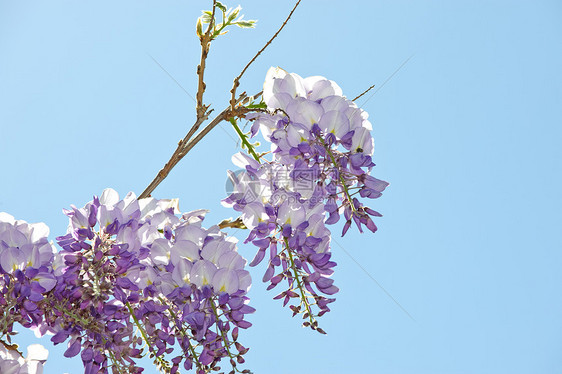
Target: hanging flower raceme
[[134, 276], [321, 160], [26, 273], [290, 230]]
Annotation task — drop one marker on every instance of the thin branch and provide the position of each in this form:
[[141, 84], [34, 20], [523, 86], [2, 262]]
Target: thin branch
[[237, 79], [202, 110], [205, 46], [387, 79], [186, 144], [176, 157], [183, 147], [364, 92], [223, 116], [195, 126]]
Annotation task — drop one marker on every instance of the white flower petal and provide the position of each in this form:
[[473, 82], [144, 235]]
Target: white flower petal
[[109, 197], [37, 352]]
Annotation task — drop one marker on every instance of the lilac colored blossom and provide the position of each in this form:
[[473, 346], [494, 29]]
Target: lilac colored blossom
[[321, 148], [324, 142], [135, 277], [289, 229]]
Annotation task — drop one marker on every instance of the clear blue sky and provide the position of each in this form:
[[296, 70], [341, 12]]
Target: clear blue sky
[[468, 132]]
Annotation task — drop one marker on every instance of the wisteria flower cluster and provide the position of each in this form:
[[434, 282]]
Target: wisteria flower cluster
[[324, 139], [132, 276], [321, 160]]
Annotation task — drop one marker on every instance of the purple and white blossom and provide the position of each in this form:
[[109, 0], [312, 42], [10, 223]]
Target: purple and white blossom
[[321, 148], [134, 274], [321, 137], [138, 277]]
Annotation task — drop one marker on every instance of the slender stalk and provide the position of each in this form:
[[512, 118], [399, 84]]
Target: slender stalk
[[236, 82], [205, 46], [179, 326], [299, 285], [157, 359], [364, 92], [222, 335], [6, 316], [244, 140], [113, 359], [333, 158], [202, 110], [185, 145], [75, 317]]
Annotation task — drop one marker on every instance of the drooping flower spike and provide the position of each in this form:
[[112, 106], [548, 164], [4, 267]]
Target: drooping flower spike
[[135, 277], [321, 150]]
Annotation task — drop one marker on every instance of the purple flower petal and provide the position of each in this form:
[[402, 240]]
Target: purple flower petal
[[73, 348]]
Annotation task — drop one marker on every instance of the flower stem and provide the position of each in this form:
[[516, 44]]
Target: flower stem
[[244, 140], [6, 320], [159, 361], [113, 359], [299, 285], [222, 334], [185, 334], [333, 158]]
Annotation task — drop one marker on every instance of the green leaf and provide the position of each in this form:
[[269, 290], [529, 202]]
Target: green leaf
[[221, 6], [206, 17], [250, 24], [261, 105], [234, 14]]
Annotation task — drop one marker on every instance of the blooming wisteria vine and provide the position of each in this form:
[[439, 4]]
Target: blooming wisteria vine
[[136, 277]]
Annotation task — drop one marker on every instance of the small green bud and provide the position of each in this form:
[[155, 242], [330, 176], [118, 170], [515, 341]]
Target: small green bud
[[199, 27]]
